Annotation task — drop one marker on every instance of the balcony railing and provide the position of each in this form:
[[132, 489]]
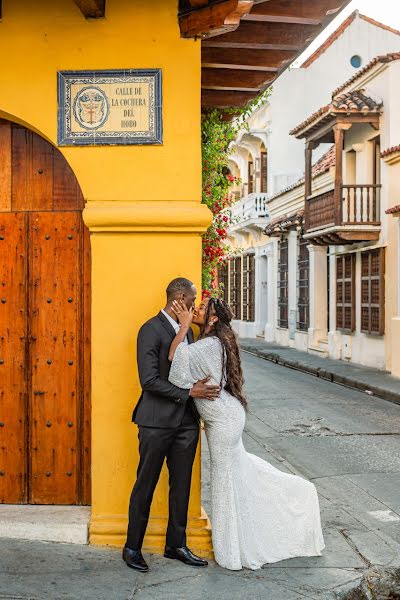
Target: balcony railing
[[359, 205], [252, 206]]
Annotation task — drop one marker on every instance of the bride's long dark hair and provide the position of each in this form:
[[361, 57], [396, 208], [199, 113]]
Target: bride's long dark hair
[[231, 364]]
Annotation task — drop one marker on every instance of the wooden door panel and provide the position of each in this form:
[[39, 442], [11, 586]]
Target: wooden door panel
[[32, 171], [13, 375], [5, 165], [55, 304], [67, 194], [86, 369]]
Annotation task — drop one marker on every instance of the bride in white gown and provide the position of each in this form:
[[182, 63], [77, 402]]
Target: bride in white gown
[[259, 514]]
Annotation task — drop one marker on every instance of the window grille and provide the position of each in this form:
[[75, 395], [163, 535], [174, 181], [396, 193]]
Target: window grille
[[303, 283], [283, 275]]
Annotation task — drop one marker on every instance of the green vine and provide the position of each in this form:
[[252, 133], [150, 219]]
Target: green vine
[[217, 133]]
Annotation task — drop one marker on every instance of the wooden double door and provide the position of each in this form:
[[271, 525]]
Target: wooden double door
[[44, 326]]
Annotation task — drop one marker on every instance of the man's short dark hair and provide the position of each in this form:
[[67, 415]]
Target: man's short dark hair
[[177, 286]]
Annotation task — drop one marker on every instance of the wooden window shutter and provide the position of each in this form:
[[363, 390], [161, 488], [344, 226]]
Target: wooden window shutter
[[250, 177], [245, 289], [264, 172], [252, 288], [373, 291], [248, 287], [303, 283], [345, 292], [236, 286], [283, 276]]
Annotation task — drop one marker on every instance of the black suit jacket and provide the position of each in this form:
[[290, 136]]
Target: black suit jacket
[[161, 403]]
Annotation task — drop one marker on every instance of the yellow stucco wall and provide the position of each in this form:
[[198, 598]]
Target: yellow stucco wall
[[143, 208], [39, 38]]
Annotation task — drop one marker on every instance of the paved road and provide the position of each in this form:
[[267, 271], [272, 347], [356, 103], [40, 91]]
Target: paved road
[[347, 442]]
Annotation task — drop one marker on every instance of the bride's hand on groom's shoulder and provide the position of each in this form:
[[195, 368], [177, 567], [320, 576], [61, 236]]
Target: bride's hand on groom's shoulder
[[184, 315]]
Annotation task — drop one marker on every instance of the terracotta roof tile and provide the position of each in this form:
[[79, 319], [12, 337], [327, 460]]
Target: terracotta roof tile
[[355, 101], [339, 31], [284, 223], [383, 58], [389, 151], [394, 209], [323, 164]]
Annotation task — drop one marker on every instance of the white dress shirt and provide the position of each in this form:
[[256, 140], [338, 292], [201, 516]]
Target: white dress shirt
[[174, 324]]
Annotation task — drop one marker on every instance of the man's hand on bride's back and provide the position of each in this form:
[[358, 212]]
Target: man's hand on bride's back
[[184, 315], [205, 391]]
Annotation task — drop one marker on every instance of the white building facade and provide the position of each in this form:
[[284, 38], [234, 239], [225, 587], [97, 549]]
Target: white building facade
[[319, 255]]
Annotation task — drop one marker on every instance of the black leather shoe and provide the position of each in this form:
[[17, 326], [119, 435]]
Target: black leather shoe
[[134, 559], [185, 556]]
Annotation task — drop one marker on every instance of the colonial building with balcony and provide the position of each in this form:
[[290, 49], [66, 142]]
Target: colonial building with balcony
[[346, 224], [319, 280]]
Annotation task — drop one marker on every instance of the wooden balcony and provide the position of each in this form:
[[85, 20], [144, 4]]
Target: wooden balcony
[[348, 214]]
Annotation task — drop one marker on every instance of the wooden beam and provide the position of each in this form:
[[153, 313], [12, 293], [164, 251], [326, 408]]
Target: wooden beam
[[359, 236], [225, 98], [301, 11], [234, 58], [91, 9], [337, 194], [198, 3], [235, 79], [215, 19], [266, 36]]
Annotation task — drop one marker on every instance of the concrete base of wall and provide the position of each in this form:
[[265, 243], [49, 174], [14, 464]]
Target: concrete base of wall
[[68, 524]]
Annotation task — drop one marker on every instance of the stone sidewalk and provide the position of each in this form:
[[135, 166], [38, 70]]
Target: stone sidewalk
[[366, 379], [345, 441]]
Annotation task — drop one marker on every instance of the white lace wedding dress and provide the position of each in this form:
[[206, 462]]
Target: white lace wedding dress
[[259, 514]]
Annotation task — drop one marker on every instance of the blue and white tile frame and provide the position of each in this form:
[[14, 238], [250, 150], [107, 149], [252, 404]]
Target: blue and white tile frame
[[94, 137]]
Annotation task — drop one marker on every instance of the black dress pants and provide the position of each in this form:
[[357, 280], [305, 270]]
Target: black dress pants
[[178, 446]]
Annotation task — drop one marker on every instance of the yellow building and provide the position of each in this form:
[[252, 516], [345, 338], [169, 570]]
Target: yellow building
[[142, 208]]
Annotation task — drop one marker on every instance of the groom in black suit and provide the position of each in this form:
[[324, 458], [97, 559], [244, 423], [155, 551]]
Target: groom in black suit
[[168, 428]]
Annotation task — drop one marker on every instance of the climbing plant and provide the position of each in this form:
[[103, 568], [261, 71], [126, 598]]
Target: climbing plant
[[218, 130]]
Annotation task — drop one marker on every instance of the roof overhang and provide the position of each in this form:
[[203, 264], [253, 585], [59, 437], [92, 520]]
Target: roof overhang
[[246, 44]]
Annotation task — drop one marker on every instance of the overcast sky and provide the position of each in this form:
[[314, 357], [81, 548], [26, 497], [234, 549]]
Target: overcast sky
[[386, 11]]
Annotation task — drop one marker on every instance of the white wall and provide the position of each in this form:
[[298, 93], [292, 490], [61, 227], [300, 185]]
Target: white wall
[[299, 92]]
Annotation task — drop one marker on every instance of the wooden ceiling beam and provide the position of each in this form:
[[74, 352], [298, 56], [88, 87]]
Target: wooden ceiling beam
[[215, 19], [301, 11], [92, 9], [250, 59], [266, 35], [235, 79], [224, 98], [198, 3]]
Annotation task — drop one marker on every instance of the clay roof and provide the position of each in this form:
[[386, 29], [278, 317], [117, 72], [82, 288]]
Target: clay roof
[[383, 58], [339, 31], [284, 223], [356, 101], [390, 150], [394, 209], [322, 165]]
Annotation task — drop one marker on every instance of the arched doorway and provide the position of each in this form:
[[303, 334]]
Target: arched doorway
[[44, 325]]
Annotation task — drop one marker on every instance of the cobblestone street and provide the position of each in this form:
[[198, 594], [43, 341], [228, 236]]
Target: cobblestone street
[[347, 442]]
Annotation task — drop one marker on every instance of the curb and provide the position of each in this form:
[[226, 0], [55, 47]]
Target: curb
[[326, 374]]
